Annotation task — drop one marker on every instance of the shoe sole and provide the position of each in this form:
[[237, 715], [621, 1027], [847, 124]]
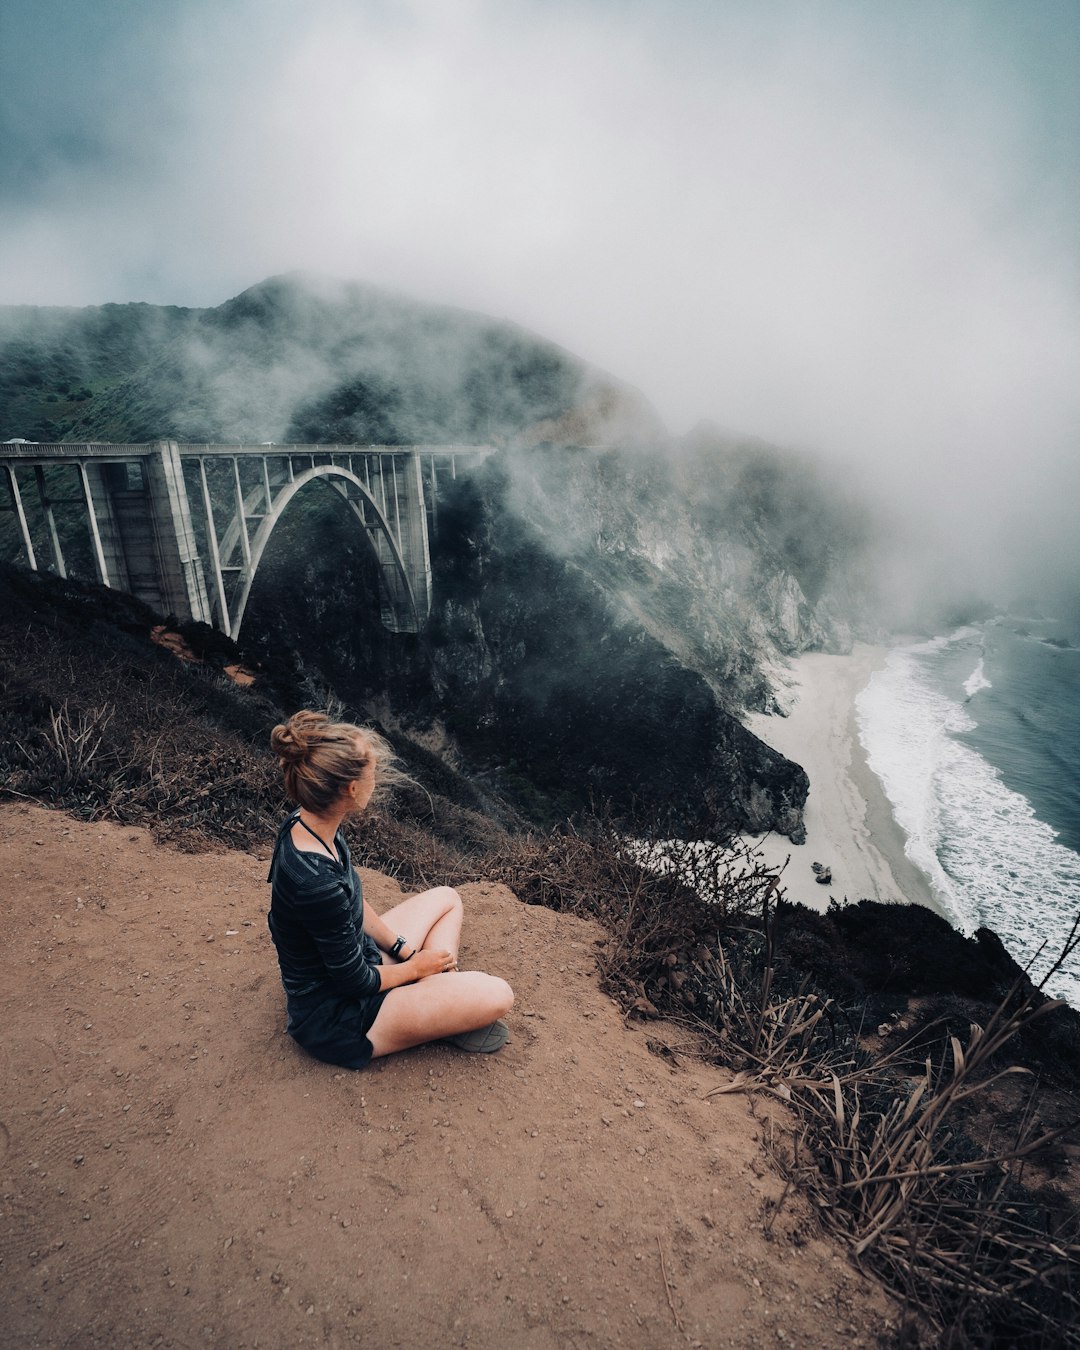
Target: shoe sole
[[482, 1041]]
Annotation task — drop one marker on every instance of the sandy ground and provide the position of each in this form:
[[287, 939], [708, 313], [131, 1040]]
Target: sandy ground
[[175, 1173], [849, 822]]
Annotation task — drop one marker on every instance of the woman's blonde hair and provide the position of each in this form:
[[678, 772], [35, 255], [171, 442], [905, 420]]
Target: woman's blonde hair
[[320, 758]]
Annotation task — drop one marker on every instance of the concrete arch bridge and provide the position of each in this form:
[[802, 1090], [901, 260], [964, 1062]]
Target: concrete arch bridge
[[184, 526]]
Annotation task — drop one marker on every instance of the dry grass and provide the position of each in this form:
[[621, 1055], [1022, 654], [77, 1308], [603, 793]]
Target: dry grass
[[881, 1148], [649, 901], [136, 743], [948, 1227]]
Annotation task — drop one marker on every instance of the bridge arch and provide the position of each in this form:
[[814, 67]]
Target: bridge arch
[[400, 609]]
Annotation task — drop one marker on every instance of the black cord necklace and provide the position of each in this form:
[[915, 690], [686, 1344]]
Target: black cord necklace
[[332, 851]]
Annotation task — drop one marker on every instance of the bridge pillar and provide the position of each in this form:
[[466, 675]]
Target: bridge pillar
[[140, 524], [183, 587], [100, 484], [20, 513], [50, 522], [414, 536]]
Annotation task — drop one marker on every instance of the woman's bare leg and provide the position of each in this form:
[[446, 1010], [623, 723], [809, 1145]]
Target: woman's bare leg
[[431, 919], [441, 1005]]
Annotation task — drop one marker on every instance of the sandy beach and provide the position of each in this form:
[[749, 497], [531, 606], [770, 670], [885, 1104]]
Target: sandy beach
[[849, 821]]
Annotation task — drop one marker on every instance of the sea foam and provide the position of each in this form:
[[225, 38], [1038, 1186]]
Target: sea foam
[[990, 861], [977, 679]]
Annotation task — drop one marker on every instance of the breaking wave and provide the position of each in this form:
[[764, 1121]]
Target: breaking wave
[[990, 860]]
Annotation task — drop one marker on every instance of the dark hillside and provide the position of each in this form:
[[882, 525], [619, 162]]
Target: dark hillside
[[99, 719], [296, 358]]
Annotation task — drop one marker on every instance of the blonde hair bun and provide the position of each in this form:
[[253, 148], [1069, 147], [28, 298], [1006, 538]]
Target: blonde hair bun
[[319, 758], [293, 741]]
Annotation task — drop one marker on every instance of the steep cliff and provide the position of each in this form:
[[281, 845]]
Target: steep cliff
[[729, 554], [544, 669]]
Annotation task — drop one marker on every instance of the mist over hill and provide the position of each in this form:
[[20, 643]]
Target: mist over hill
[[296, 358], [608, 601]]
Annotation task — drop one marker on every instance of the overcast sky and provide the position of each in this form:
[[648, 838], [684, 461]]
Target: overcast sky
[[849, 225]]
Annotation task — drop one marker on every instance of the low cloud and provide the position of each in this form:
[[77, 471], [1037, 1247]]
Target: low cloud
[[843, 227]]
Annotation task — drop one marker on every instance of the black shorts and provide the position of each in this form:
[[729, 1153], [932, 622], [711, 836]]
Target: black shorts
[[335, 1029]]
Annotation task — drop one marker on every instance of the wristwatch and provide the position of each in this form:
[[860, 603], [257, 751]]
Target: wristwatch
[[398, 943]]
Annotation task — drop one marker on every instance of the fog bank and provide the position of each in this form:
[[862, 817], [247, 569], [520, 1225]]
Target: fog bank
[[837, 226]]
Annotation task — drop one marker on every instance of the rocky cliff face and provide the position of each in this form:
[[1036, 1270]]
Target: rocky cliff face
[[617, 610], [547, 665], [704, 548], [567, 659]]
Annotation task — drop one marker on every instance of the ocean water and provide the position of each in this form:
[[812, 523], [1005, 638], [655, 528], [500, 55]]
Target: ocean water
[[975, 737]]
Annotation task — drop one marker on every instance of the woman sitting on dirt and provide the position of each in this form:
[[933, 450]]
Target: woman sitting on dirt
[[347, 1003]]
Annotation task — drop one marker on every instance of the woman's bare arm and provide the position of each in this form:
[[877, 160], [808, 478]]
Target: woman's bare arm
[[384, 936]]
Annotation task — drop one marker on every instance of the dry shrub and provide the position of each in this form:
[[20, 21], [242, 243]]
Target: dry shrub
[[946, 1225], [662, 905], [949, 1227], [75, 739], [131, 735], [416, 857]]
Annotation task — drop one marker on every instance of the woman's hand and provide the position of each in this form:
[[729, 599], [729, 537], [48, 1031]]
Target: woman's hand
[[424, 963], [416, 967]]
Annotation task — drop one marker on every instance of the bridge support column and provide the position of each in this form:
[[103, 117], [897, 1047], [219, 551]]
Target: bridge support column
[[398, 492], [140, 526], [50, 522], [182, 585], [17, 507]]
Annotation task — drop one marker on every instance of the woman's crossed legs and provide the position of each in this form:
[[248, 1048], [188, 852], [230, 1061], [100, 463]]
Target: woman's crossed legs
[[441, 1005]]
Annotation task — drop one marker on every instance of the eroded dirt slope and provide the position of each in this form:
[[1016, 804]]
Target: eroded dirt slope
[[173, 1172]]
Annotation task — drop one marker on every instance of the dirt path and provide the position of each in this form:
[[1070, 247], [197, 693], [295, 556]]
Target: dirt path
[[174, 1173]]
